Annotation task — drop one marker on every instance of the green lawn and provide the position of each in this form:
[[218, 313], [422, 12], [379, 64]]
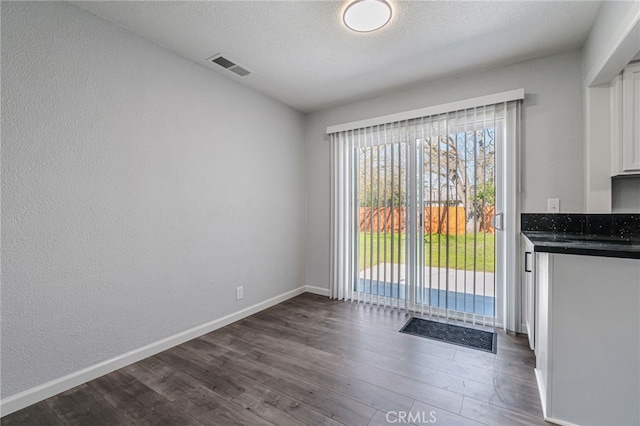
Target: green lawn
[[460, 248]]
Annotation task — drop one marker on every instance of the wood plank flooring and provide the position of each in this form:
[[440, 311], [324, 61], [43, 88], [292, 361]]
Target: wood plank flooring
[[308, 361]]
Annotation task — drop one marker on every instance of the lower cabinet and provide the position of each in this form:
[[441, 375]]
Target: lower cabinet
[[587, 327], [528, 290]]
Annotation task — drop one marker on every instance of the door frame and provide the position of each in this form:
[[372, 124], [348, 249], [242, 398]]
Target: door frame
[[511, 189], [511, 302]]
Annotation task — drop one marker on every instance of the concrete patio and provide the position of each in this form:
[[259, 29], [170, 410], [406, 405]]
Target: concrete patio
[[461, 290]]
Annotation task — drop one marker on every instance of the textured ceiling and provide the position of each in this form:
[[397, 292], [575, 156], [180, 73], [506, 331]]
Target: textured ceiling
[[302, 55]]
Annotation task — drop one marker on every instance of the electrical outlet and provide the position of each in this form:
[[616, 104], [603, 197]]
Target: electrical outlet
[[239, 293], [553, 205]]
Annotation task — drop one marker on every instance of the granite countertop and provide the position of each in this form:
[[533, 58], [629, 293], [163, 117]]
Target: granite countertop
[[614, 235], [589, 245]]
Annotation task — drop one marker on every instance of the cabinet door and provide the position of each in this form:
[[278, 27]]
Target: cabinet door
[[631, 118], [530, 297], [528, 291], [542, 330]]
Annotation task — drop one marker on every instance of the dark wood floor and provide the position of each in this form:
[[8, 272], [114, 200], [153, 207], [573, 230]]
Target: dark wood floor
[[310, 361]]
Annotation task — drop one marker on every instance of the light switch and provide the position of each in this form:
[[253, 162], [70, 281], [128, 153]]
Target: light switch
[[553, 205]]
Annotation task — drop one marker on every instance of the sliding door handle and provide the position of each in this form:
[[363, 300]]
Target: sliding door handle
[[497, 221]]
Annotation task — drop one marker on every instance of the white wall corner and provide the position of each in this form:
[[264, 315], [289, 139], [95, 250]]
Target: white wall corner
[[613, 42], [46, 390]]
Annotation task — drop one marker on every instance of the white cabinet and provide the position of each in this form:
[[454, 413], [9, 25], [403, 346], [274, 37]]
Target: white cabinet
[[625, 121], [528, 291], [588, 339], [631, 119]]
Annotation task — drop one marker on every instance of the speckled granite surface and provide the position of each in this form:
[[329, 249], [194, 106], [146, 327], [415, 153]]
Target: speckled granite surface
[[610, 235]]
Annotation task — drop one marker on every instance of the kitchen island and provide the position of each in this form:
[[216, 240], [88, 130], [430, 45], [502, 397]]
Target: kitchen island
[[587, 318]]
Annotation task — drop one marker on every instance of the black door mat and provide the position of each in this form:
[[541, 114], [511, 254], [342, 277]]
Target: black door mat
[[462, 336]]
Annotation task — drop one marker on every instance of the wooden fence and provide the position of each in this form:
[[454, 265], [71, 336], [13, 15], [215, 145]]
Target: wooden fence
[[437, 220]]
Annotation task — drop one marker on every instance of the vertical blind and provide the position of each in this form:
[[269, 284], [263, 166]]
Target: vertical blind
[[412, 204]]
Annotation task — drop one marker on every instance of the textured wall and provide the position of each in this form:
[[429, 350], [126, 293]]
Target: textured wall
[[552, 142], [138, 190]]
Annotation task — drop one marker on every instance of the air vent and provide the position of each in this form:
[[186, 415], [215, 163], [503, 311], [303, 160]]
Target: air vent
[[223, 62], [229, 65]]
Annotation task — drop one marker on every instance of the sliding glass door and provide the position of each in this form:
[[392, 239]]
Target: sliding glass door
[[381, 196], [425, 193]]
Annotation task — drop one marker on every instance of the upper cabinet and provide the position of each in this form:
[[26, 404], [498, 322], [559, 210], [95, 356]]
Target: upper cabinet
[[625, 121]]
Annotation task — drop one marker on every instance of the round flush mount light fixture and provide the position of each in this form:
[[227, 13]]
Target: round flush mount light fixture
[[367, 15]]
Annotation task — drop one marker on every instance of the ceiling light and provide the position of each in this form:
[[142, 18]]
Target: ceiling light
[[367, 15]]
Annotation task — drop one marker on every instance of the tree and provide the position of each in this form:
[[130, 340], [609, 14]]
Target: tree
[[386, 185], [460, 168]]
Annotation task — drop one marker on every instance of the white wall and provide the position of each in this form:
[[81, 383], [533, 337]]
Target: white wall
[[597, 169], [614, 40], [625, 194], [138, 190], [552, 133]]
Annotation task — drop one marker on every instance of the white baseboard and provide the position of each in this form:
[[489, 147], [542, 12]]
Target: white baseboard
[[46, 390], [317, 290], [559, 422]]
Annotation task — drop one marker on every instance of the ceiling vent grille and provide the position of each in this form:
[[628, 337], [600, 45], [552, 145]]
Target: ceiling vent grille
[[229, 65]]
